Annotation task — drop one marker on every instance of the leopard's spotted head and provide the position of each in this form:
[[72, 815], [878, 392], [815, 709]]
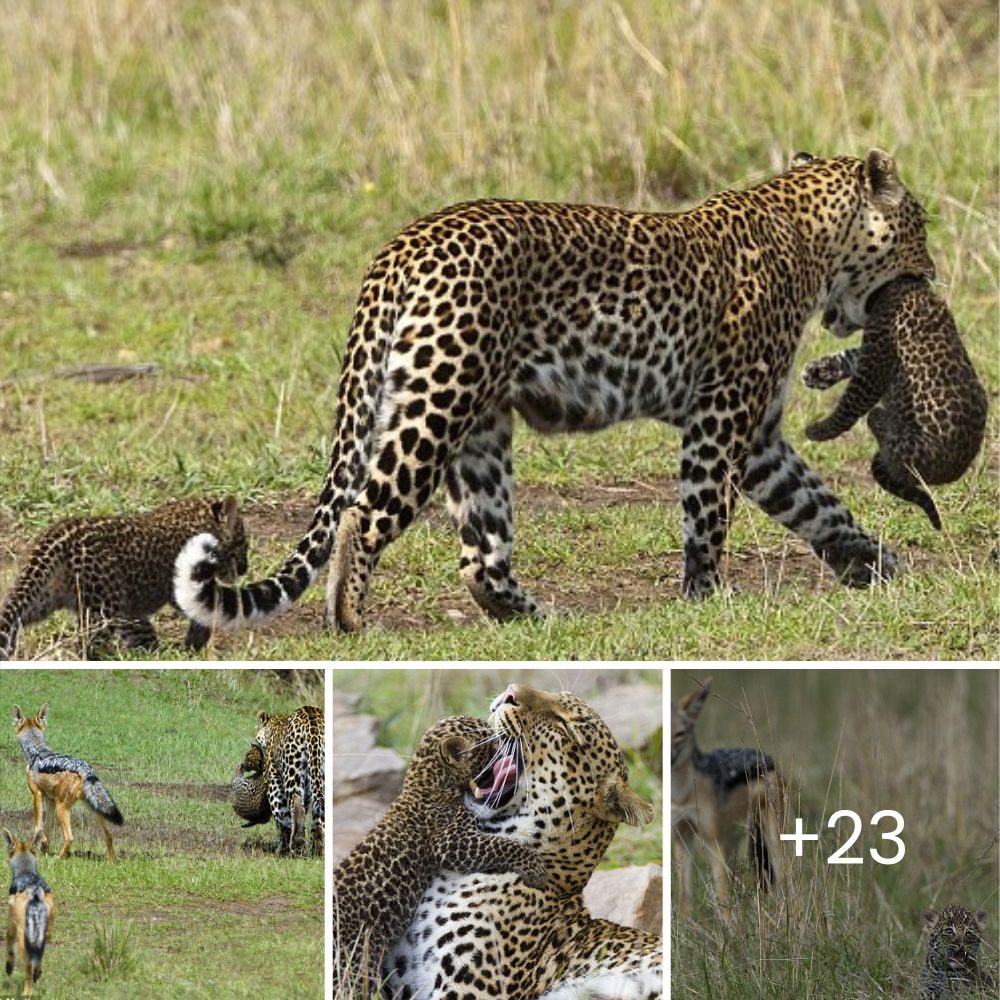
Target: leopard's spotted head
[[884, 235], [953, 935], [559, 781]]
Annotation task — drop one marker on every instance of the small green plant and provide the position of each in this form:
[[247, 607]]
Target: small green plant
[[114, 954]]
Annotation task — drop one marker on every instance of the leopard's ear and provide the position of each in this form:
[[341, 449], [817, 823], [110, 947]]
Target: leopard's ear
[[617, 803], [453, 750], [881, 180], [262, 718], [800, 160], [929, 917], [981, 917]]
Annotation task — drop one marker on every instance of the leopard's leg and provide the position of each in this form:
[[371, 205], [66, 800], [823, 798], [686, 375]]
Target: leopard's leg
[[424, 421], [786, 489], [831, 368], [714, 453], [480, 500], [902, 483], [136, 633]]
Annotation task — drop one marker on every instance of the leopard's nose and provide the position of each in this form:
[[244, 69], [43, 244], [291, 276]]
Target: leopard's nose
[[509, 697]]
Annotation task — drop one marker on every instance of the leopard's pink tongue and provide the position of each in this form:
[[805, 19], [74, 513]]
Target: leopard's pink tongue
[[504, 775]]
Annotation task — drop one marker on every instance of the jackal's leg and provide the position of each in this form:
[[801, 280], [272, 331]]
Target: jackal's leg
[[42, 822], [108, 841], [685, 871], [11, 934], [62, 817]]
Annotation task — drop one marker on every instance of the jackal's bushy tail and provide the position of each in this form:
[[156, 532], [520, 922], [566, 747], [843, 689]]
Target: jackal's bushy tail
[[100, 801], [36, 920], [197, 590]]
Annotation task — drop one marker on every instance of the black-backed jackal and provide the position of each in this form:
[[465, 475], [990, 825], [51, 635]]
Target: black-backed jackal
[[29, 910], [718, 797], [62, 780]]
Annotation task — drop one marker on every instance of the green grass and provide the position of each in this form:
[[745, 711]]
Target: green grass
[[193, 187], [924, 743], [195, 906], [406, 702]]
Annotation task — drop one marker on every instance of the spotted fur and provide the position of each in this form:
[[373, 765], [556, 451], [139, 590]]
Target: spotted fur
[[914, 379], [427, 830], [115, 572], [489, 935], [578, 317], [951, 967], [294, 755]]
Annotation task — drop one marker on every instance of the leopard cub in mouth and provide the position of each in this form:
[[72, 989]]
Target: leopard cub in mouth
[[427, 830], [914, 379]]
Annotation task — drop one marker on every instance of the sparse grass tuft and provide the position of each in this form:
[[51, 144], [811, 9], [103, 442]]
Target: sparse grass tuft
[[115, 954]]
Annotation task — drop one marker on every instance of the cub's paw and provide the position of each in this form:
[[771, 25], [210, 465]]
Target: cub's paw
[[821, 431], [864, 563], [534, 873], [824, 372]]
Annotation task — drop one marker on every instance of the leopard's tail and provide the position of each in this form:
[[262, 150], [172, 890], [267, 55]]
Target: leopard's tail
[[198, 592], [30, 600]]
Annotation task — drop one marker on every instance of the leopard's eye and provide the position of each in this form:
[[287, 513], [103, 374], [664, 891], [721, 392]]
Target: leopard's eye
[[949, 932]]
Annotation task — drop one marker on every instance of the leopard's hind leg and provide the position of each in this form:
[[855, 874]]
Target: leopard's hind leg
[[480, 500], [902, 483]]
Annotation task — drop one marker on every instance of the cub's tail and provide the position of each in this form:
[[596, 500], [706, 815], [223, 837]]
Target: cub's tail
[[29, 601], [100, 800], [36, 921], [198, 592]]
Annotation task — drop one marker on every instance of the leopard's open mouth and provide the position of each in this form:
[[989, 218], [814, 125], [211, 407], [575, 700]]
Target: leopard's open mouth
[[496, 784]]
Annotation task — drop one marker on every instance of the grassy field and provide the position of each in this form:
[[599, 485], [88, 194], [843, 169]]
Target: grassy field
[[408, 701], [199, 187], [196, 906], [924, 743]]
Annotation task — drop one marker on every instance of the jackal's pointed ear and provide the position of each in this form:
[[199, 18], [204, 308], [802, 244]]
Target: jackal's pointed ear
[[693, 702], [881, 181], [43, 714], [617, 803], [36, 841], [16, 715], [10, 840]]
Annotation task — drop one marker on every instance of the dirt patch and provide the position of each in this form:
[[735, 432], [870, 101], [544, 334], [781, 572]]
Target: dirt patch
[[186, 790], [91, 249]]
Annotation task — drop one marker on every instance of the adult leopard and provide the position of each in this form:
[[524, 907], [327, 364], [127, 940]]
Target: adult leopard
[[286, 778], [561, 786], [579, 317]]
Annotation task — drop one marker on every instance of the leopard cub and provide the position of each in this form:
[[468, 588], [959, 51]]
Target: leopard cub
[[914, 379], [952, 964], [115, 572], [428, 829]]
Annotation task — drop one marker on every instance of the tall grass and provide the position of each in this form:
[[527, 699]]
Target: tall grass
[[924, 743]]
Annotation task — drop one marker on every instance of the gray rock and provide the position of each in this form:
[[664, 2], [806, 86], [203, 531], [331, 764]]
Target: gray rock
[[351, 821], [633, 712], [630, 896], [358, 767]]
